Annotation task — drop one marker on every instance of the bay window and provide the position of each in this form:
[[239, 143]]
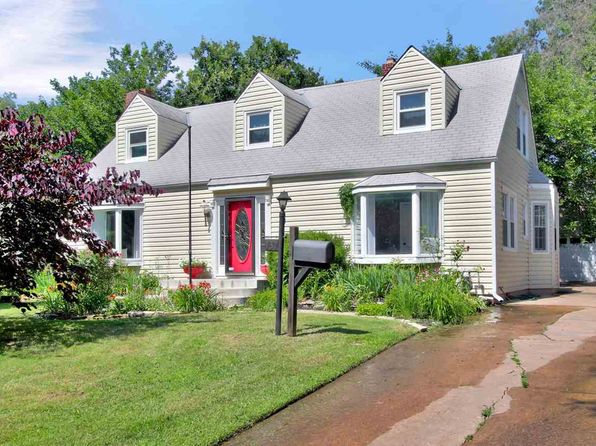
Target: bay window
[[121, 227], [396, 224]]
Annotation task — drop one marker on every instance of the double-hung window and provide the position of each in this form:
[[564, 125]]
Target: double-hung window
[[121, 227], [525, 220], [522, 130], [539, 222], [258, 129], [509, 213], [137, 145], [411, 111]]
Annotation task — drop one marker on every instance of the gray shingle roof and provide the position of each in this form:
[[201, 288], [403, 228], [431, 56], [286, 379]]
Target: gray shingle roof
[[341, 133], [400, 179], [287, 91], [537, 177], [165, 110]]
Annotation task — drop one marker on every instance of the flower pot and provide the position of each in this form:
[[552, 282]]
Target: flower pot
[[194, 272]]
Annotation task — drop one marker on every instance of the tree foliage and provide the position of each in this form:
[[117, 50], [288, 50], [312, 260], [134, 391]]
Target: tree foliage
[[46, 200], [222, 70]]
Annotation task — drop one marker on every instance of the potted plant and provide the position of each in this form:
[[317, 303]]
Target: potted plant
[[194, 268]]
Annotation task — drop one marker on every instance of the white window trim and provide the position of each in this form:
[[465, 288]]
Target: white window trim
[[247, 130], [138, 159], [514, 218], [547, 227], [361, 199], [396, 110], [524, 126], [118, 229]]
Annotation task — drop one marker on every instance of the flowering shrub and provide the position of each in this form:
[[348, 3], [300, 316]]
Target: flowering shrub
[[193, 298]]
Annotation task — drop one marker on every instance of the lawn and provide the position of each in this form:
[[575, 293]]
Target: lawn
[[192, 379]]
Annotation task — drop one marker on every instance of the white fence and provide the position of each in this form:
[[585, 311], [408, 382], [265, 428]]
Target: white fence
[[578, 262]]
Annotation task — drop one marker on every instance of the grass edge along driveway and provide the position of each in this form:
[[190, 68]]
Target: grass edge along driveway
[[194, 379]]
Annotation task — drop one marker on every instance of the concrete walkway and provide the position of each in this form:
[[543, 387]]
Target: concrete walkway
[[434, 388]]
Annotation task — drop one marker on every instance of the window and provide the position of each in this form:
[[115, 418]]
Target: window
[[508, 213], [396, 223], [259, 129], [412, 111], [525, 220], [539, 220], [522, 130], [122, 229], [137, 144]]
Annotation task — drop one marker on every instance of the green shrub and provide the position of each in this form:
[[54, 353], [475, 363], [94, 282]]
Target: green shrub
[[92, 297], [265, 300], [371, 309], [436, 296], [46, 289], [367, 283], [317, 279], [337, 298], [201, 297]]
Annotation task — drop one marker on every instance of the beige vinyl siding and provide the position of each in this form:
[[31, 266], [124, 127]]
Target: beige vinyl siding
[[518, 269], [466, 212], [294, 115], [137, 115], [542, 264], [168, 132], [451, 99], [411, 72], [165, 232], [259, 96]]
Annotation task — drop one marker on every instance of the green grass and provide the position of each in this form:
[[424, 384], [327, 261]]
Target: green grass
[[192, 379]]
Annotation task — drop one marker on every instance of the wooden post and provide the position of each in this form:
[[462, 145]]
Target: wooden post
[[293, 290]]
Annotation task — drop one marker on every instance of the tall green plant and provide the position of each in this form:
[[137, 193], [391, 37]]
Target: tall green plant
[[346, 199]]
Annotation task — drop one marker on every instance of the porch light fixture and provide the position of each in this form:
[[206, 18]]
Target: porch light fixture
[[283, 199], [207, 213]]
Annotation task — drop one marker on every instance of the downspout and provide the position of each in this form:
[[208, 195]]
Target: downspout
[[189, 202], [493, 199]]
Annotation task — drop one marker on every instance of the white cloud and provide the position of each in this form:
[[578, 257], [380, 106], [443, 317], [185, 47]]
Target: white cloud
[[44, 39]]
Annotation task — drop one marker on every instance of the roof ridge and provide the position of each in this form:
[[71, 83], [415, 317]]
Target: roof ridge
[[338, 84], [518, 55]]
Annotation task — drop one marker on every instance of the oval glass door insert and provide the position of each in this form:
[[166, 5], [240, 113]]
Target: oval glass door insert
[[242, 232]]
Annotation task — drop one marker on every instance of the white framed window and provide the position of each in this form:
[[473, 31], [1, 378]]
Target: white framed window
[[522, 130], [122, 228], [539, 227], [525, 230], [396, 224], [258, 130], [412, 111], [509, 218], [137, 144]]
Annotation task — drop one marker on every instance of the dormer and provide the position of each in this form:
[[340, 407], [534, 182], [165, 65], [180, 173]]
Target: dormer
[[415, 95], [147, 128], [267, 114]]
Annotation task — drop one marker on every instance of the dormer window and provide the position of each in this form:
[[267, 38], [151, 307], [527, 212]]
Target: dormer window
[[411, 111], [137, 145], [259, 129]]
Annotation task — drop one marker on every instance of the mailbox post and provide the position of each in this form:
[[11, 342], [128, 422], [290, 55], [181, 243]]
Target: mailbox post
[[304, 255]]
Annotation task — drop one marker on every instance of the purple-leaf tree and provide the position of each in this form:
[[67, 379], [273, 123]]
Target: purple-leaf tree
[[46, 200]]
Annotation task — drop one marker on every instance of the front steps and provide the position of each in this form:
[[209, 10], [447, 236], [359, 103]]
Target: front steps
[[232, 290]]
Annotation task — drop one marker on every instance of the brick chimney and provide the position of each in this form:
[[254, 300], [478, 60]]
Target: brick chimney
[[131, 95], [388, 65]]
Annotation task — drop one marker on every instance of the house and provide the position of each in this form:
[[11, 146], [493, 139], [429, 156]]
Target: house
[[437, 155]]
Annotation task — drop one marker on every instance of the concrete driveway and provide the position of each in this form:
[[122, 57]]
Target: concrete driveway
[[460, 384]]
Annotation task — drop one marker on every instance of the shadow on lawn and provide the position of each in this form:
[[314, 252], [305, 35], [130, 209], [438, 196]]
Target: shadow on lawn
[[313, 329], [17, 333]]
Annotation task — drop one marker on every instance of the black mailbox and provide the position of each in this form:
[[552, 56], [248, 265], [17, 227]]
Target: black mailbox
[[313, 253]]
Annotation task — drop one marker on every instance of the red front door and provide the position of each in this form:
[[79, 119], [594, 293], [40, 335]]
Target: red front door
[[241, 240]]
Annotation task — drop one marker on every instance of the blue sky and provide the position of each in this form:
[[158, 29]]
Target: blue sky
[[56, 38]]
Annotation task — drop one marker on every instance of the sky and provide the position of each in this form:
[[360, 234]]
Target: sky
[[45, 39]]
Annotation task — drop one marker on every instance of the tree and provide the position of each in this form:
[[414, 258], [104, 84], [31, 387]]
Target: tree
[[8, 100], [151, 68], [46, 200], [221, 71]]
